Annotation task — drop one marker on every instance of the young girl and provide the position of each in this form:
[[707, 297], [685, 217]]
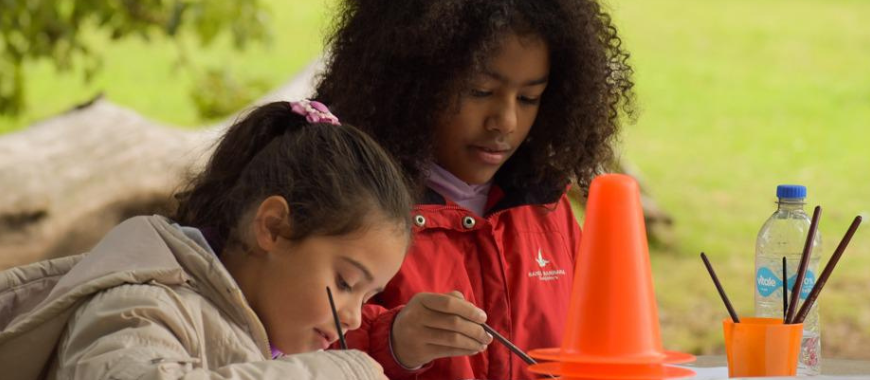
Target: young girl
[[234, 286], [495, 107]]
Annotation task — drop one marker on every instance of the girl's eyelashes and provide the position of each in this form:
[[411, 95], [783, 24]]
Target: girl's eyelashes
[[530, 100], [342, 284], [480, 93]]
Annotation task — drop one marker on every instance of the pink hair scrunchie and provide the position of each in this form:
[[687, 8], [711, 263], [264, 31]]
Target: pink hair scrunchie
[[314, 111]]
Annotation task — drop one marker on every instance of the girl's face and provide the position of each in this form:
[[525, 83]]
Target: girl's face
[[496, 110], [285, 283]]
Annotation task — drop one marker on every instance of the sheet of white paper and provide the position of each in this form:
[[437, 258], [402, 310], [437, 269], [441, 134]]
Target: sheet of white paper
[[721, 373], [708, 373]]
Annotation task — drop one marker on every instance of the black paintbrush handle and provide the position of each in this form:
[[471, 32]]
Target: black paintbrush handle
[[526, 358], [719, 288], [802, 266], [516, 350], [335, 317], [826, 273], [784, 290]]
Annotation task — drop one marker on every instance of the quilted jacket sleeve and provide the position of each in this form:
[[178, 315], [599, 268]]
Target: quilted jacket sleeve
[[145, 332]]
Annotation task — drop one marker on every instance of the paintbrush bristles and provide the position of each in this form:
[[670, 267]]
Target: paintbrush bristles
[[802, 267], [719, 288], [826, 273]]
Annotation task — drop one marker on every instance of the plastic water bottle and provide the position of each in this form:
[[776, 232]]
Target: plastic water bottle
[[785, 234]]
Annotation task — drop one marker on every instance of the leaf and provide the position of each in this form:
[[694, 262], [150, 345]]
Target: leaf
[[33, 30]]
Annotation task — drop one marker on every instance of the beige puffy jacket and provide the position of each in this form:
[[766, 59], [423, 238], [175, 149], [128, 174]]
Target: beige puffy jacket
[[146, 303]]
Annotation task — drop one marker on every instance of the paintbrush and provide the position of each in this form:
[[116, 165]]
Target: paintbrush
[[784, 291], [516, 350], [720, 289], [826, 273], [802, 267], [335, 317]]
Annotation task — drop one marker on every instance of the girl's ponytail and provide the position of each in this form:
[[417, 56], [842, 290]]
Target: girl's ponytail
[[205, 202], [332, 175]]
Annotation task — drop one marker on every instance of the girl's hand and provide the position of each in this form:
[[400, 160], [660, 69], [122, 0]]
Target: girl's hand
[[433, 326]]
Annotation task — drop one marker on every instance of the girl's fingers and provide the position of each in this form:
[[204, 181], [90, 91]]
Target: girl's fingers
[[450, 304], [452, 340], [455, 294], [446, 352], [451, 323]]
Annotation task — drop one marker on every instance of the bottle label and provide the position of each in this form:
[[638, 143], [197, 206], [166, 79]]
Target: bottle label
[[767, 282], [809, 282]]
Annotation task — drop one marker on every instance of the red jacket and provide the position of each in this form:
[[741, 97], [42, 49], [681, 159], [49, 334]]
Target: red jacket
[[516, 263]]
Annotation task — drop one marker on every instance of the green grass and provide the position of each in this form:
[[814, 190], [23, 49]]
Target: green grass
[[143, 75], [737, 96]]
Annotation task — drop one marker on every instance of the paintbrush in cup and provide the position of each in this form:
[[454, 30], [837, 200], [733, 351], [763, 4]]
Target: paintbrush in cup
[[826, 273], [802, 267], [719, 288], [784, 290]]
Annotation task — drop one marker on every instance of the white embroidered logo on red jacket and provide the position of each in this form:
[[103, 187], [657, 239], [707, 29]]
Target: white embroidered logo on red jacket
[[541, 262], [545, 275]]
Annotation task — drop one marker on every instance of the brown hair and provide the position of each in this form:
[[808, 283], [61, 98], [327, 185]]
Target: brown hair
[[397, 82], [334, 177]]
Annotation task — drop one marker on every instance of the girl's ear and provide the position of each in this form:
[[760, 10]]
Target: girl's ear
[[273, 216]]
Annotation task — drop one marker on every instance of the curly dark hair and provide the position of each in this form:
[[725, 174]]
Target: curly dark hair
[[393, 68]]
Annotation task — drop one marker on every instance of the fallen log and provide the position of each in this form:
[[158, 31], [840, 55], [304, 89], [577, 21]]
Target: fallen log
[[65, 181]]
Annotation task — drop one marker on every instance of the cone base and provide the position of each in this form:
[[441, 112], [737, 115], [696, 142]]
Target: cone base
[[611, 371], [556, 354]]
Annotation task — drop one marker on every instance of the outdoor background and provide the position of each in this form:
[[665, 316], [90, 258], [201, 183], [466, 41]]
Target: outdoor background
[[736, 97]]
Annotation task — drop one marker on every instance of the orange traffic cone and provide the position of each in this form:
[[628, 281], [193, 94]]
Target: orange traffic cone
[[612, 330]]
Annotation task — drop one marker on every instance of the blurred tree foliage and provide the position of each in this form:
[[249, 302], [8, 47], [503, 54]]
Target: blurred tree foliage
[[31, 30], [218, 93]]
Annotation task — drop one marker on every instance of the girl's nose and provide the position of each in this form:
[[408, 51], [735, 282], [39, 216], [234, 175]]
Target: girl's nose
[[351, 317], [503, 117]]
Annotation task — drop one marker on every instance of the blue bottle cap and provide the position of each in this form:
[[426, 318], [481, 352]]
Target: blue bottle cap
[[791, 191]]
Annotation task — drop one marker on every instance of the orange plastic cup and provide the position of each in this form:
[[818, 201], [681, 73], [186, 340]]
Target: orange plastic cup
[[762, 347]]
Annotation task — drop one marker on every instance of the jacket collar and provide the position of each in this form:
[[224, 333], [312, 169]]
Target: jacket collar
[[502, 197]]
